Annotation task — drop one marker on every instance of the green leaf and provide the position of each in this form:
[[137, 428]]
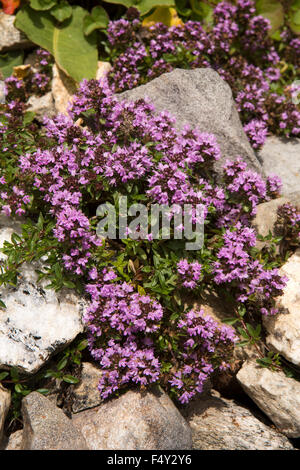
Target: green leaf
[[230, 321], [62, 11], [39, 27], [42, 4], [74, 53], [18, 388], [82, 345], [28, 117], [43, 391], [98, 19], [70, 379], [62, 363], [3, 375], [273, 11], [8, 61]]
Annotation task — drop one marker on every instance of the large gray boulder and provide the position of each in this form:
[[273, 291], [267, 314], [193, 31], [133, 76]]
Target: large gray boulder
[[46, 427], [202, 99], [220, 424], [281, 156], [37, 322], [275, 394], [135, 421]]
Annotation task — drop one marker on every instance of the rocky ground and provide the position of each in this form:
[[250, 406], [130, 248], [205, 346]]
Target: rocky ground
[[253, 408]]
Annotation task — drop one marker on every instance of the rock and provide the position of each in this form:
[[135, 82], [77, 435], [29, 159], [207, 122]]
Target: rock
[[46, 427], [8, 226], [280, 156], [37, 321], [86, 394], [103, 69], [202, 99], [135, 421], [220, 424], [15, 441], [63, 88], [42, 106], [284, 329], [4, 407], [10, 37], [275, 394], [266, 215]]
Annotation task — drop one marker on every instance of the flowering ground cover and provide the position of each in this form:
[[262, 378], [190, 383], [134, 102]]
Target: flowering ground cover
[[260, 69], [140, 329]]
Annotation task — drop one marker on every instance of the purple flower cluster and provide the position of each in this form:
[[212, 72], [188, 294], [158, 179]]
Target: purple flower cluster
[[288, 223], [121, 323], [140, 54], [201, 337], [247, 276], [246, 185], [121, 146], [190, 273]]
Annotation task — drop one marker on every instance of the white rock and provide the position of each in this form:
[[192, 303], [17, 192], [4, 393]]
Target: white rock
[[282, 157], [42, 106], [4, 407], [37, 322], [220, 424], [10, 37], [275, 394], [284, 329]]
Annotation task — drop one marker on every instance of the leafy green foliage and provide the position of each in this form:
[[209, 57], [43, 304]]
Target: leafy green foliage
[[9, 60], [98, 19], [75, 53]]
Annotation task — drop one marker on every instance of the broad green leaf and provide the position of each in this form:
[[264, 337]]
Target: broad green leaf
[[42, 4], [8, 61], [74, 53], [61, 11], [273, 11], [98, 19], [38, 26]]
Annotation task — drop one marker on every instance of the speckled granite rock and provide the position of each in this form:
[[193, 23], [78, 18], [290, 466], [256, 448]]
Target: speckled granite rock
[[135, 421], [220, 424], [46, 427], [202, 99], [275, 394]]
